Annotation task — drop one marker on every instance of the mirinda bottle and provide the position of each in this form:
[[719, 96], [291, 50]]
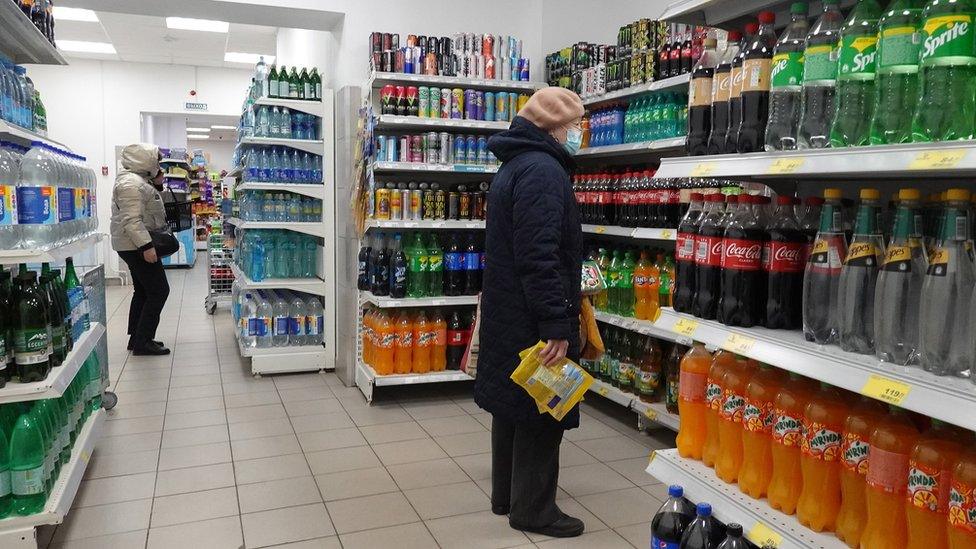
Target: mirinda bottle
[[721, 362], [646, 288], [858, 425], [692, 407], [367, 336], [891, 443], [929, 478], [729, 458], [823, 425], [438, 353], [403, 363], [423, 342], [786, 481], [757, 429], [385, 347], [962, 502]]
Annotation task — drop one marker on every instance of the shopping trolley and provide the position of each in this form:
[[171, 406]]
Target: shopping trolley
[[220, 277]]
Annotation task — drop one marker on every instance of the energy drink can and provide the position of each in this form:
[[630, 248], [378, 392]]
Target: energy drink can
[[501, 107], [460, 150], [522, 100], [416, 203], [423, 102], [470, 108], [411, 40], [416, 148], [478, 210], [446, 102], [490, 67], [471, 148], [457, 103], [375, 41], [405, 155], [404, 200], [396, 204], [446, 147], [464, 209], [440, 199], [401, 100], [489, 112], [479, 105], [482, 150], [453, 205], [479, 65], [382, 203], [428, 202], [391, 148], [487, 44], [524, 70], [388, 99], [513, 104], [399, 60], [412, 107], [506, 68], [430, 63], [435, 102], [432, 148]]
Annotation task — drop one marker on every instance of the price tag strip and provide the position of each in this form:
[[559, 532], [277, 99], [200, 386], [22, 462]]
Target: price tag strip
[[885, 389], [738, 344], [785, 165], [937, 160], [685, 327], [764, 536], [703, 169]]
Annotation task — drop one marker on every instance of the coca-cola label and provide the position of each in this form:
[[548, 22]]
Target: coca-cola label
[[684, 249], [784, 257], [741, 255], [708, 250]]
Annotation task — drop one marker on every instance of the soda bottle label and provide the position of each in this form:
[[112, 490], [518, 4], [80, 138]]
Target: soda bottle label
[[819, 64], [742, 255], [821, 442], [713, 395], [862, 254], [758, 417], [684, 249], [658, 544], [948, 40], [962, 507], [898, 47], [927, 487], [708, 251], [787, 70], [755, 75], [700, 92], [783, 257], [735, 78], [787, 430], [854, 453], [647, 381], [37, 205], [732, 405], [404, 340], [721, 86], [691, 387], [938, 262], [8, 205], [887, 471], [281, 326], [898, 259], [454, 261], [31, 346], [27, 482]]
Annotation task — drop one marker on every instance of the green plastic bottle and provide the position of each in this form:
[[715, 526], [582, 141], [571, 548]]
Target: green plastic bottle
[[55, 321], [31, 335], [62, 295], [856, 76], [626, 281], [613, 282], [435, 268], [27, 466], [94, 383], [417, 266], [6, 498], [897, 73]]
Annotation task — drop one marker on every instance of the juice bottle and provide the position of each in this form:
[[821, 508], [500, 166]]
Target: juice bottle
[[962, 502], [423, 342], [646, 289], [721, 362], [891, 443], [385, 344], [403, 353], [729, 458], [691, 401], [438, 353], [367, 338], [788, 407], [858, 425], [757, 429], [823, 425], [927, 496]]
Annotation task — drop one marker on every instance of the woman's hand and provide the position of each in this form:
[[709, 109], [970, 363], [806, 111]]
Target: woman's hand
[[150, 255], [554, 351]]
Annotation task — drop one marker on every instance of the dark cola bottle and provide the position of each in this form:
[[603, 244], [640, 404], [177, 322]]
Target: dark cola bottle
[[671, 212], [743, 280], [700, 100], [704, 532], [784, 261], [708, 258], [671, 520], [756, 69], [735, 93], [721, 91], [684, 256], [624, 193]]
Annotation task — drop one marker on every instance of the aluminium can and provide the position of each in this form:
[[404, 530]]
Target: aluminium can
[[464, 205], [446, 96], [457, 103], [429, 204], [453, 205], [416, 204], [435, 102], [482, 150], [471, 148], [446, 148], [423, 102], [432, 148], [470, 107], [460, 150], [440, 204], [489, 102]]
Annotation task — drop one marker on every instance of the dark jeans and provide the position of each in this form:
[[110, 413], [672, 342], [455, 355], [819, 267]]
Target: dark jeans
[[151, 291], [524, 471]]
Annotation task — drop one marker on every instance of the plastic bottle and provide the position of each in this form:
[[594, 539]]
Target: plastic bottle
[[424, 333], [249, 321], [296, 324], [703, 532], [279, 319], [947, 98], [684, 279], [10, 231], [734, 539], [37, 207], [708, 258], [417, 269], [398, 269], [385, 348], [438, 351], [722, 362], [721, 92], [435, 267], [858, 425], [823, 425], [855, 76], [820, 78], [671, 519], [859, 276], [730, 455], [31, 334], [757, 429], [742, 276], [787, 82], [788, 408], [646, 282], [471, 262], [314, 321], [756, 69], [403, 354], [700, 100], [625, 285], [453, 267], [929, 481], [735, 97], [381, 268], [961, 525], [265, 314], [27, 459], [456, 341], [692, 404], [821, 278], [897, 72], [891, 445]]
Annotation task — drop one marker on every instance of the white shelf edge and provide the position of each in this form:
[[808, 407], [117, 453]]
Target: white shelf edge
[[313, 190], [378, 79], [454, 224], [51, 255], [22, 42], [393, 121], [664, 84], [413, 379], [57, 381], [638, 233], [443, 301], [25, 136], [644, 327], [653, 411], [623, 149], [385, 166], [315, 286], [314, 107], [312, 228], [312, 146]]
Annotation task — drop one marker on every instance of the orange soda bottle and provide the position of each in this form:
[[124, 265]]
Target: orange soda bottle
[[929, 478], [757, 429], [820, 452], [385, 344], [438, 353], [961, 527], [424, 334], [786, 480], [646, 288], [691, 401], [891, 443], [403, 364], [367, 337], [721, 362], [858, 425], [729, 458]]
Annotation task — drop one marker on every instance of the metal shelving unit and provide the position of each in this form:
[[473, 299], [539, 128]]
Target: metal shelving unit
[[426, 225], [21, 42], [379, 79], [669, 145], [53, 254], [383, 166], [305, 227], [394, 122], [311, 146], [23, 136], [366, 378], [647, 412], [637, 233], [312, 191], [444, 301], [680, 81], [57, 381], [315, 286], [309, 107]]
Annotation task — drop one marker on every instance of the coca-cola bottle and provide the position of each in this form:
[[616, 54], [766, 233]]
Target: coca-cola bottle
[[708, 258], [644, 199], [684, 256], [783, 261], [670, 211], [625, 192], [743, 278], [721, 91], [756, 67], [735, 96]]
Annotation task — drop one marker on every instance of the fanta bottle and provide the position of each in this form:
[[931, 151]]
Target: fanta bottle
[[729, 459], [721, 362], [788, 407], [929, 477], [858, 425], [962, 502], [385, 344], [646, 289], [403, 363], [423, 342], [823, 427], [891, 443], [692, 407], [367, 337], [757, 429], [438, 353]]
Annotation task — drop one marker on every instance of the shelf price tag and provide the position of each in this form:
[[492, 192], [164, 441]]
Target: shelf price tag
[[685, 327], [600, 229], [602, 391], [703, 169], [764, 536], [738, 344], [785, 165], [937, 160], [886, 390], [650, 414], [666, 234]]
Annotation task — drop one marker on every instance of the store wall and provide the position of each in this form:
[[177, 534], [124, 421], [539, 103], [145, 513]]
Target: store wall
[[565, 22]]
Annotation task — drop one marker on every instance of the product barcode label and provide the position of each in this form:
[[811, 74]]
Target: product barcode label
[[27, 482]]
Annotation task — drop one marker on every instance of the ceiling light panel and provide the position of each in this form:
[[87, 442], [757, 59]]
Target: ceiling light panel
[[205, 25], [86, 47], [62, 13]]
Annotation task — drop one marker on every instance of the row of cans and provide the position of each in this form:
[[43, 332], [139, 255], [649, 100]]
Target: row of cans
[[430, 102], [484, 44], [428, 201], [435, 148], [415, 60]]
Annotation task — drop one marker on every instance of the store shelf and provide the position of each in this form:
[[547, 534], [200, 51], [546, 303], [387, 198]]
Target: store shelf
[[413, 379], [59, 378], [653, 411], [631, 232], [22, 136], [449, 224], [310, 107], [671, 144], [283, 360], [394, 122], [946, 159], [65, 488], [315, 190], [21, 42], [236, 172], [760, 521], [643, 327], [305, 227], [180, 161], [53, 254], [680, 81], [380, 79], [949, 399], [432, 168], [313, 146], [444, 301], [174, 176], [308, 285]]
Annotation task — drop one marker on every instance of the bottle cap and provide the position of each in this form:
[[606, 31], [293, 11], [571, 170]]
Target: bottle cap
[[833, 193], [909, 194], [716, 197], [732, 199], [767, 17], [799, 8], [957, 194], [734, 36], [734, 530], [704, 510], [813, 201], [676, 491], [697, 197], [783, 200], [752, 28], [870, 194]]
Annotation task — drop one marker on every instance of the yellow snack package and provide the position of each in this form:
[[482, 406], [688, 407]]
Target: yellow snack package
[[555, 389]]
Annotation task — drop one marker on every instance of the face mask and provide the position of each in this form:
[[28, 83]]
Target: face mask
[[574, 138]]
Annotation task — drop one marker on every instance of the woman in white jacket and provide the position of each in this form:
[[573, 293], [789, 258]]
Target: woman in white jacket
[[137, 208]]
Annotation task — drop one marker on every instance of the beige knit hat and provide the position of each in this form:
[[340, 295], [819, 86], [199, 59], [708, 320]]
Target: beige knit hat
[[552, 107]]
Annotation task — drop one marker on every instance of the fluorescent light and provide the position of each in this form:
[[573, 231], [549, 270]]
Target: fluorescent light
[[198, 130], [249, 58], [223, 127], [197, 136], [86, 47], [62, 13], [206, 25]]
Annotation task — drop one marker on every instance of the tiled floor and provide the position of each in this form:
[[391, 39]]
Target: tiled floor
[[200, 454]]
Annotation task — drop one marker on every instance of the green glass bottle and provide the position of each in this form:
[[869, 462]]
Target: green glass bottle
[[76, 294], [62, 294], [304, 85], [31, 336], [294, 82], [316, 81], [27, 466], [55, 321], [273, 80]]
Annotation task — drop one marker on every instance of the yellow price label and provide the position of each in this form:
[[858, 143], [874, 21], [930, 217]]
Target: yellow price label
[[703, 169], [651, 457], [666, 234], [600, 230], [650, 414], [738, 344], [785, 165], [886, 390], [602, 391], [764, 536], [685, 327], [937, 160]]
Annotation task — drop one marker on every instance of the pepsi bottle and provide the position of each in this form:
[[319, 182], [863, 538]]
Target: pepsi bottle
[[381, 269], [453, 267], [671, 520], [704, 532]]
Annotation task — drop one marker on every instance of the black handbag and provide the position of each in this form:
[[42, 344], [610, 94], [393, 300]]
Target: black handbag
[[165, 242]]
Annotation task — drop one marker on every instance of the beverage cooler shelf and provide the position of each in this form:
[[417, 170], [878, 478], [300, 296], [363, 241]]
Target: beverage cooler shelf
[[308, 285], [59, 378], [367, 380], [762, 524], [652, 411], [638, 233], [380, 79], [383, 166], [395, 122], [309, 107], [385, 302], [55, 254], [670, 144], [311, 228], [24, 136], [313, 190], [311, 146], [21, 42], [680, 81]]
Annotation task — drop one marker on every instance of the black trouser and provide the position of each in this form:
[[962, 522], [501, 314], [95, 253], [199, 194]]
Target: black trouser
[[524, 471], [148, 299]]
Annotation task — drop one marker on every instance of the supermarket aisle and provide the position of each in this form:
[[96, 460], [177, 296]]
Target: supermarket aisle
[[199, 453]]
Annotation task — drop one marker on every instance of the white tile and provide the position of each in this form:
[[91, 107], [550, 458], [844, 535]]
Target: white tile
[[259, 429], [582, 480], [195, 380], [256, 448], [255, 413], [125, 540], [342, 459], [220, 533], [455, 425], [194, 405], [133, 426], [321, 422], [286, 525], [194, 456], [102, 520], [369, 512], [571, 455], [115, 489], [195, 436], [605, 539], [394, 453], [447, 500], [422, 474], [152, 395], [465, 444], [620, 507], [305, 393], [104, 464], [639, 535], [428, 410], [251, 399], [137, 410], [393, 432], [187, 420], [298, 381], [614, 448], [271, 468], [635, 469], [141, 442], [275, 494], [200, 391], [330, 440], [313, 407], [194, 479], [482, 530], [378, 414], [406, 536], [477, 466], [355, 483]]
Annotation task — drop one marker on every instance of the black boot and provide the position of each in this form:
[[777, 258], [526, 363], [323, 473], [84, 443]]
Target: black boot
[[129, 346], [565, 527], [150, 349]]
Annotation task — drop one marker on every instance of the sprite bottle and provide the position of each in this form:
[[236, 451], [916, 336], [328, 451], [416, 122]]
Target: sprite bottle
[[897, 73], [947, 100], [855, 76], [32, 336], [820, 78], [787, 82]]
